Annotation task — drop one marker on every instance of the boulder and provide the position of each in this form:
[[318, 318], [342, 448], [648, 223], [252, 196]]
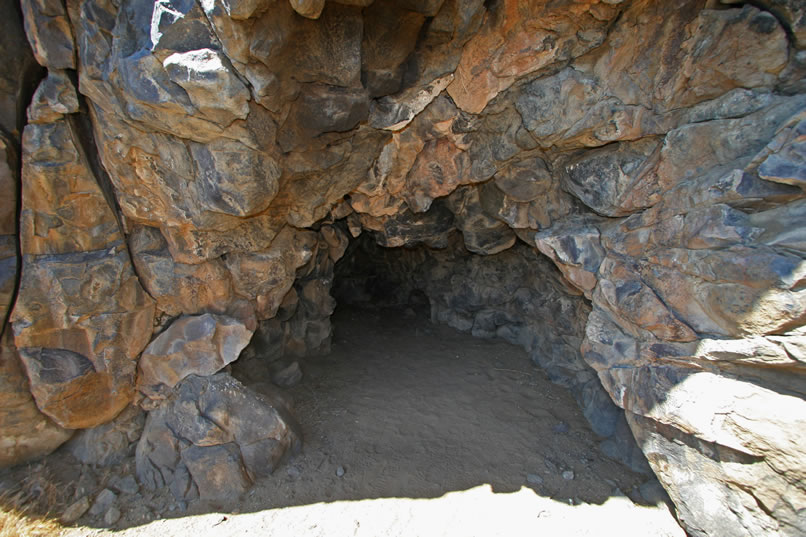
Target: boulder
[[191, 345], [111, 442], [80, 321], [212, 438], [64, 209], [49, 33], [27, 434]]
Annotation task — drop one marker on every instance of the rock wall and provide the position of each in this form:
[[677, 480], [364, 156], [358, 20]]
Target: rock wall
[[190, 167]]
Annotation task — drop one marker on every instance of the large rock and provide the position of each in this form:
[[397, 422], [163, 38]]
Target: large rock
[[27, 434], [177, 287], [81, 317], [49, 32], [64, 209], [212, 438], [111, 442], [653, 151], [198, 345], [80, 322]]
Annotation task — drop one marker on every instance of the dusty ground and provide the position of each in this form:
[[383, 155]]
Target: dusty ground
[[410, 429]]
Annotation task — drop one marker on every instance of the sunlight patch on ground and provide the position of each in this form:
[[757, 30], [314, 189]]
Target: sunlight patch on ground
[[474, 512]]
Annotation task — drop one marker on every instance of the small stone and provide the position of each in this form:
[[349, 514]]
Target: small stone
[[293, 472], [534, 479], [112, 516], [103, 502], [76, 510], [125, 485], [560, 428], [182, 506], [288, 376], [340, 471], [568, 475]]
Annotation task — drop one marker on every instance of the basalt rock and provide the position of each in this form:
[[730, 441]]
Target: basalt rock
[[196, 345], [27, 433], [616, 186], [212, 438]]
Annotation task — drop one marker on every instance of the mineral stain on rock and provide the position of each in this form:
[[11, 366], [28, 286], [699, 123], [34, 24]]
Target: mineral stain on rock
[[616, 187]]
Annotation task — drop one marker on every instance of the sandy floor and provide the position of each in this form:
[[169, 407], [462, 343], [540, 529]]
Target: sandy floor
[[416, 429]]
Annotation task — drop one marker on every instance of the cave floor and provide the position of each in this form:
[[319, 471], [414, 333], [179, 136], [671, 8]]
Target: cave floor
[[413, 428]]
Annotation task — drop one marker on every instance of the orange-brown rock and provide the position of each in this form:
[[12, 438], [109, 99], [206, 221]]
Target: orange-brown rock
[[26, 433], [178, 287], [192, 345], [520, 38], [63, 208], [80, 322]]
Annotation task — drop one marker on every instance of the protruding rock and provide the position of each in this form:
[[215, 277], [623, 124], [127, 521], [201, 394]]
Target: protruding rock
[[64, 210], [111, 442], [787, 161], [55, 97], [210, 84], [310, 9], [80, 321], [511, 45], [266, 276], [25, 433], [49, 33], [178, 287], [193, 345], [213, 438]]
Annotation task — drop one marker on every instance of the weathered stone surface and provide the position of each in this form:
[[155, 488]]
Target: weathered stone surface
[[48, 30], [321, 109], [27, 434], [237, 134], [80, 321], [575, 248], [510, 45], [786, 162], [482, 233], [194, 345], [264, 277], [390, 35], [395, 112], [64, 210], [178, 287], [616, 180], [210, 84], [212, 438], [111, 442], [771, 508], [55, 97], [20, 73]]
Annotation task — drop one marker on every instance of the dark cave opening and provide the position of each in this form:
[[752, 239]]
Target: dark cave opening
[[517, 296]]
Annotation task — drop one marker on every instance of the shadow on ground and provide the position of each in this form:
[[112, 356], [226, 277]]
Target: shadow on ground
[[401, 408]]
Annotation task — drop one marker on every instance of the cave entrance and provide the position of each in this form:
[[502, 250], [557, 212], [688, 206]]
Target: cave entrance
[[404, 401]]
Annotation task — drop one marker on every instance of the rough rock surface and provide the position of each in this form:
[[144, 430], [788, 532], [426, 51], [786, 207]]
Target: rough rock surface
[[212, 438], [197, 345], [204, 159], [27, 433], [111, 442]]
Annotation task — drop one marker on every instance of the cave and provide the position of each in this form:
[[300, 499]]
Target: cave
[[595, 209]]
